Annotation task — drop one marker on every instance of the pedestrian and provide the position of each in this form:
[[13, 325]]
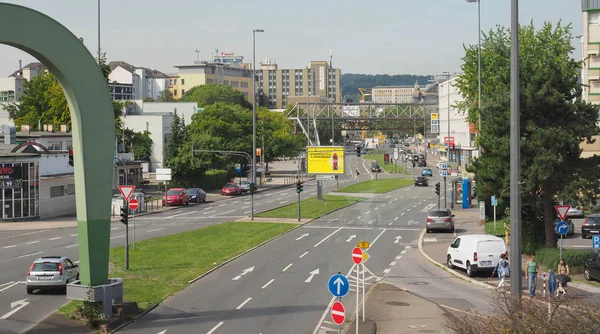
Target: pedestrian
[[503, 271], [357, 174], [563, 274], [531, 275], [337, 181]]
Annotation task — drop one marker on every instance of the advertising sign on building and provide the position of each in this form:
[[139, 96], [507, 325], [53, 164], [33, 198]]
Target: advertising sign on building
[[325, 160], [11, 176]]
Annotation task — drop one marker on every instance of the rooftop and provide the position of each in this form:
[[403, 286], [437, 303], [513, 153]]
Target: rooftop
[[32, 66]]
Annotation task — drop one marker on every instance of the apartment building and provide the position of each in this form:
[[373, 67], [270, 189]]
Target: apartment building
[[128, 82], [395, 94], [12, 86]]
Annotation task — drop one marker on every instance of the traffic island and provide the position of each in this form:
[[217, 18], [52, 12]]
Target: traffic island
[[377, 186], [311, 208]]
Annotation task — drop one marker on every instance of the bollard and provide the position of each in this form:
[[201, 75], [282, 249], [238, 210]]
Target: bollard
[[544, 289]]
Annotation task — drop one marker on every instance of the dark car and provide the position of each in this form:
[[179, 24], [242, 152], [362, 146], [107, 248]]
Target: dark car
[[176, 196], [422, 163], [591, 269], [421, 181], [591, 225], [197, 195], [375, 167]]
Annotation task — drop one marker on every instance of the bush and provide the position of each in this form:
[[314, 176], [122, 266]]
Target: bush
[[215, 179], [212, 179], [575, 258]]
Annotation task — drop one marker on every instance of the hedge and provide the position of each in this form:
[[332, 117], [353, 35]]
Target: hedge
[[215, 179], [575, 258]]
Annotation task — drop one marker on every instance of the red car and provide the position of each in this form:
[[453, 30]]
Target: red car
[[176, 196], [231, 189]]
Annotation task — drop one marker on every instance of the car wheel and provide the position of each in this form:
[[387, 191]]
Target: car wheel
[[586, 274], [469, 270], [452, 229], [427, 230], [29, 291], [449, 262]]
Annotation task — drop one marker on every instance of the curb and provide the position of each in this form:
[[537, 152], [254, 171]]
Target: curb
[[441, 266]]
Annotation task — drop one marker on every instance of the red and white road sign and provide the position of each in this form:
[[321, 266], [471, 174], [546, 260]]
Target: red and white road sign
[[337, 313], [562, 211], [126, 191], [134, 204], [357, 255]]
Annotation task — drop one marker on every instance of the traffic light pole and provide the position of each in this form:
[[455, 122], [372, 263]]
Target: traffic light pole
[[298, 206], [127, 238], [445, 194]]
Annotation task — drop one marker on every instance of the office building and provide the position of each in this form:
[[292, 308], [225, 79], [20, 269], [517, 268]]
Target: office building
[[128, 82]]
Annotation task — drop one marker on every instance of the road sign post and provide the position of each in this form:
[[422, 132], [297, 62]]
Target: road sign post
[[338, 285], [494, 204], [596, 242], [338, 314], [562, 227], [133, 205]]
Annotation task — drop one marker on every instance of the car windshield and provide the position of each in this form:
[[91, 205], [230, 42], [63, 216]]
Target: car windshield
[[230, 185], [194, 191], [593, 219], [245, 182], [420, 178], [45, 266], [438, 214], [427, 170], [173, 192]]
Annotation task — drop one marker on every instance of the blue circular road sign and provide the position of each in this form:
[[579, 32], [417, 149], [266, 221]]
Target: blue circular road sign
[[338, 285], [562, 228]]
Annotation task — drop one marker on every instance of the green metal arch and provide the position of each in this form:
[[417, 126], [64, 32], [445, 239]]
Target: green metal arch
[[89, 100]]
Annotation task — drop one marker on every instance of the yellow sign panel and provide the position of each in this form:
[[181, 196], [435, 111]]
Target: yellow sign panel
[[434, 117], [363, 245], [325, 160], [365, 257]]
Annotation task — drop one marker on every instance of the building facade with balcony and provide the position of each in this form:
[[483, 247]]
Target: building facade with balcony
[[205, 73]]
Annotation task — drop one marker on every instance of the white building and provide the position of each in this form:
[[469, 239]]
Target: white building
[[135, 83], [394, 94], [462, 135]]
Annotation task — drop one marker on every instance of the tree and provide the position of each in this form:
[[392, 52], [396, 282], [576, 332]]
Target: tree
[[165, 96], [148, 99], [554, 120], [206, 95], [276, 132]]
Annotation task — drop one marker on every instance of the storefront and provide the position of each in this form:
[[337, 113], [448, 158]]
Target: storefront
[[19, 182]]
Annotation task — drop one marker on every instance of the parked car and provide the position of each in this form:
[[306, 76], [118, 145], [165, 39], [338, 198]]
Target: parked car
[[231, 189], [176, 196], [375, 167], [245, 185], [51, 272], [475, 252], [421, 181], [442, 219], [197, 195], [591, 225], [426, 172], [422, 163], [569, 223], [576, 212], [591, 268]]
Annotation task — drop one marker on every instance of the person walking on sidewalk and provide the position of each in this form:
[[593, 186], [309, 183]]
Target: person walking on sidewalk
[[503, 271], [356, 175], [531, 275]]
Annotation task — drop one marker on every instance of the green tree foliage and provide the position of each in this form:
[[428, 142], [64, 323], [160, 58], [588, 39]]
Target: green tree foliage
[[139, 143], [278, 134], [206, 95], [165, 96], [175, 140], [554, 121], [352, 82]]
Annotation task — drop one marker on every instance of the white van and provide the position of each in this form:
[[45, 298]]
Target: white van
[[475, 252]]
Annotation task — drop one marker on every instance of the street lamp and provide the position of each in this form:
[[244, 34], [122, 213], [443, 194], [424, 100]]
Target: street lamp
[[254, 103], [198, 56], [98, 32], [478, 67]]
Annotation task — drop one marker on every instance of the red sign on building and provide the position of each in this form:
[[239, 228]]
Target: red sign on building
[[451, 140]]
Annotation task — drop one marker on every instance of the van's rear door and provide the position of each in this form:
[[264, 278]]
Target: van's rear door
[[488, 252]]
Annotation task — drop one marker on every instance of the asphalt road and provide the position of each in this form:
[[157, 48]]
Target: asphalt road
[[282, 286], [19, 249]]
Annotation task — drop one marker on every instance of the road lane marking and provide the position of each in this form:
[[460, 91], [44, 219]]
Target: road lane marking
[[327, 237], [247, 212], [371, 221], [393, 263], [396, 218], [388, 196], [221, 205], [376, 208], [312, 193], [382, 205], [156, 229], [403, 252], [366, 213], [56, 238], [11, 246], [385, 271], [8, 283], [181, 214], [74, 235], [301, 256], [26, 255], [226, 212], [10, 286], [215, 328], [118, 236], [207, 212], [75, 245], [358, 217], [32, 242], [376, 238], [402, 214], [288, 266], [244, 303], [115, 228], [268, 283], [283, 202], [245, 207]]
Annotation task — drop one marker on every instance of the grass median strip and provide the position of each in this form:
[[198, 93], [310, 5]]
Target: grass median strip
[[160, 267], [311, 208], [390, 168], [377, 186]]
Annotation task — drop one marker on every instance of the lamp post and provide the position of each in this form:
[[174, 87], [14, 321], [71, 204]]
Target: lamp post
[[478, 67], [448, 75], [98, 32], [197, 56], [254, 103]]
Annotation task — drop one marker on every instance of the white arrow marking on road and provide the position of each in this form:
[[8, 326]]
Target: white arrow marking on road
[[351, 237], [338, 282], [312, 274], [163, 332], [397, 239], [302, 236], [249, 270], [16, 306]]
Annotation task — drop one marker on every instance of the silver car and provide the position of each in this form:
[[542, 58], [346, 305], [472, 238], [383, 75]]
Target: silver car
[[51, 272], [576, 212], [245, 185], [441, 219]]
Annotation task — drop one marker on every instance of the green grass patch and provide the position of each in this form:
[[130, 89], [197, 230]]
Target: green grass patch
[[390, 168], [575, 258], [69, 309], [377, 186], [311, 208], [499, 230]]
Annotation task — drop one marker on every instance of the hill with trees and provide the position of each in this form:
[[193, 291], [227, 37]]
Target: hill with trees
[[351, 82]]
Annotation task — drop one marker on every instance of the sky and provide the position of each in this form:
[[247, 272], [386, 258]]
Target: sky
[[372, 37]]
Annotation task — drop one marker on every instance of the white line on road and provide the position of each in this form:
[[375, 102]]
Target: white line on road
[[377, 237], [283, 202], [10, 286], [376, 208], [403, 252], [30, 254], [71, 246], [407, 209], [269, 282], [382, 205], [32, 242], [390, 224], [366, 213], [208, 212], [245, 207], [56, 238], [302, 236], [393, 263], [388, 196], [215, 328], [11, 282], [371, 221], [181, 214], [11, 246], [385, 271], [402, 214], [247, 211], [312, 193], [301, 256], [288, 266], [73, 235], [115, 228], [327, 237], [155, 229], [118, 236], [244, 303], [358, 217], [226, 212], [396, 218], [221, 205]]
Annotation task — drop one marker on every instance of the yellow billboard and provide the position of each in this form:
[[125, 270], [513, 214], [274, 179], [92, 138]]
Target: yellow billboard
[[325, 159]]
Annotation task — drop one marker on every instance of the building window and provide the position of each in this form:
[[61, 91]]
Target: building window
[[182, 83], [69, 145], [71, 189], [244, 84], [594, 17], [171, 82], [54, 145], [182, 92], [175, 82], [57, 191], [174, 92], [235, 84]]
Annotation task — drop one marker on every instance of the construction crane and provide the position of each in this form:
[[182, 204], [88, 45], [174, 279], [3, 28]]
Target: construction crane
[[364, 92]]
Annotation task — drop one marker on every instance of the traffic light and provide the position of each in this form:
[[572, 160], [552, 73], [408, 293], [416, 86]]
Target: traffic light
[[71, 157], [252, 188], [437, 188], [414, 164], [358, 151], [124, 215], [299, 187]]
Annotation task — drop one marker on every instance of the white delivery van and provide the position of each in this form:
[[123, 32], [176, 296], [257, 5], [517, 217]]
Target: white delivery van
[[475, 252]]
